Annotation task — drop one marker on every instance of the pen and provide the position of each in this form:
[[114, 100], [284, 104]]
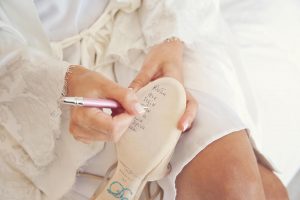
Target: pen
[[90, 102]]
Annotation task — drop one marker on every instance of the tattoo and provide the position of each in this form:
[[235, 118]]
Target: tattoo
[[118, 190]]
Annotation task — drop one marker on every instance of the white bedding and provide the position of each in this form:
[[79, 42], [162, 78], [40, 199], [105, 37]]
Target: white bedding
[[268, 33]]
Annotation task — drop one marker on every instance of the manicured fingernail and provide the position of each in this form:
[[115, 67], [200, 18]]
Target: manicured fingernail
[[139, 108], [185, 126], [132, 89]]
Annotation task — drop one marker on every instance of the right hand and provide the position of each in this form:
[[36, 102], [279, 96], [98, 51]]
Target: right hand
[[91, 124]]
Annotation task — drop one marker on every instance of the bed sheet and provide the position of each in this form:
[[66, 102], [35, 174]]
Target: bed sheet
[[268, 35]]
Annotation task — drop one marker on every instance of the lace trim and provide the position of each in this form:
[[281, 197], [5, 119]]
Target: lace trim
[[65, 87], [28, 84]]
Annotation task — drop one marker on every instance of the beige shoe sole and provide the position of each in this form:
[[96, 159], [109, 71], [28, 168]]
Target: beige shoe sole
[[146, 148]]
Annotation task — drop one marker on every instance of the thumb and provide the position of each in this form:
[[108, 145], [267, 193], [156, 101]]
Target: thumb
[[127, 98], [146, 74]]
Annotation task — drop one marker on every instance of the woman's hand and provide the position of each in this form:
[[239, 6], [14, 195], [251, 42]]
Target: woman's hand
[[166, 59], [89, 124]]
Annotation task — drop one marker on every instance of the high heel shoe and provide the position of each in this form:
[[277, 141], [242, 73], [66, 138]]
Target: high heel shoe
[[146, 148]]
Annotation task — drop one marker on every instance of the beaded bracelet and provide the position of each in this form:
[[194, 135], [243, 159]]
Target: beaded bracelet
[[173, 39], [67, 74]]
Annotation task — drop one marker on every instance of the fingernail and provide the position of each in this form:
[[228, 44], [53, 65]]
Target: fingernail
[[185, 126], [139, 108], [132, 89]]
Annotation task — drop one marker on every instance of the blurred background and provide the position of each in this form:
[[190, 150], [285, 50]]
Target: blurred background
[[268, 33]]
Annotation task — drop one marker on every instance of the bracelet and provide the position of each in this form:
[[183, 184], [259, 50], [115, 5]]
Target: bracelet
[[173, 39], [68, 72]]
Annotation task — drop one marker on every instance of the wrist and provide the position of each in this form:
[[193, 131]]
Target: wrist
[[175, 48]]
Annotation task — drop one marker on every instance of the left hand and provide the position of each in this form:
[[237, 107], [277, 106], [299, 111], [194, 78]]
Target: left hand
[[166, 59]]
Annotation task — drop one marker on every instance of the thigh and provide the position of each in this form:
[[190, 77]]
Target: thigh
[[273, 187], [225, 169]]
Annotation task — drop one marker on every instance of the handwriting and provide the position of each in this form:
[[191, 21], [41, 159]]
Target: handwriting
[[150, 100]]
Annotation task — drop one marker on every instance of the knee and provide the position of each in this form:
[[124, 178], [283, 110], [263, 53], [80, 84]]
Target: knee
[[236, 182], [232, 182], [227, 169]]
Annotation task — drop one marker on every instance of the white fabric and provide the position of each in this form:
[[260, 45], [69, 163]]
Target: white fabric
[[61, 19], [269, 44], [218, 93], [206, 84], [211, 70], [293, 187], [31, 134]]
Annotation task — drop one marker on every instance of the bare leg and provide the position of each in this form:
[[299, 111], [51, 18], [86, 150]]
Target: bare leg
[[273, 187], [226, 169]]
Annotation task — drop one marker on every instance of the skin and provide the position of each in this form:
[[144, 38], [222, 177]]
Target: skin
[[166, 60], [89, 124], [228, 169], [225, 169]]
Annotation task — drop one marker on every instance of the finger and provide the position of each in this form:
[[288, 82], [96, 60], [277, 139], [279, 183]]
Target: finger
[[97, 125], [128, 99], [85, 141], [189, 115], [83, 133], [92, 118], [146, 74], [121, 123]]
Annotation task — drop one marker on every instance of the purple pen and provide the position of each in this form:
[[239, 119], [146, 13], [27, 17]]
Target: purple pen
[[90, 102]]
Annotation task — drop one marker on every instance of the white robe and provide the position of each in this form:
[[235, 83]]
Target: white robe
[[34, 136]]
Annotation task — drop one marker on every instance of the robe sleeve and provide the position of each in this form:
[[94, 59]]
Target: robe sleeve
[[187, 20], [31, 82]]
